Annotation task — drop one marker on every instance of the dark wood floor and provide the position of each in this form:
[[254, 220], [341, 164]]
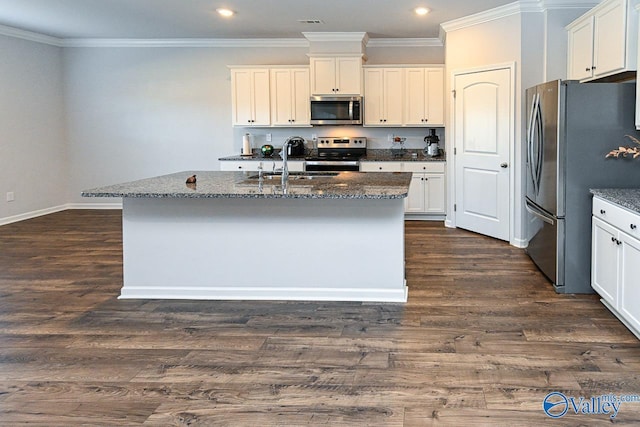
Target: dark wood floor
[[481, 341]]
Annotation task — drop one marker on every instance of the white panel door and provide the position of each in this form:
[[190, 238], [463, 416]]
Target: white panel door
[[609, 34], [483, 115]]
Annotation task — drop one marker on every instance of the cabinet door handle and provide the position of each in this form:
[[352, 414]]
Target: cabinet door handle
[[593, 68], [618, 242], [588, 69], [602, 212], [633, 226]]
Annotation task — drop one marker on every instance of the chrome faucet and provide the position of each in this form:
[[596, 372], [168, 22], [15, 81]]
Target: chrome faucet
[[285, 166]]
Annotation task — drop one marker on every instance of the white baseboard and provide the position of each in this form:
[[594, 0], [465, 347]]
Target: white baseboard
[[54, 209], [520, 243], [113, 205]]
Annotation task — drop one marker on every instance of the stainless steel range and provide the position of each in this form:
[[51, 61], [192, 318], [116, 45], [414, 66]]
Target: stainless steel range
[[337, 154]]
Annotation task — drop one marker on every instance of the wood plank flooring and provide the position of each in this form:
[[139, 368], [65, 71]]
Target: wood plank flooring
[[481, 341]]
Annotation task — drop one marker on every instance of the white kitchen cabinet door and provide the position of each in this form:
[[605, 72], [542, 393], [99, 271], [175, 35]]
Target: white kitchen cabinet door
[[630, 280], [434, 194], [290, 97], [336, 75], [250, 97], [415, 201], [604, 261], [384, 97], [580, 50], [323, 76], [374, 97], [609, 36], [424, 97], [349, 75]]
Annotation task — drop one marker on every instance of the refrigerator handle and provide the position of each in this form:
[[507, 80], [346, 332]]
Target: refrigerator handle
[[540, 144], [530, 134], [538, 214]]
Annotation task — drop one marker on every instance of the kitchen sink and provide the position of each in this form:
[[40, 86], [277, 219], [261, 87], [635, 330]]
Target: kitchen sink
[[294, 175]]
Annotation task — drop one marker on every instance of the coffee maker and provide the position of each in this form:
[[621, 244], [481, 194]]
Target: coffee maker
[[432, 149]]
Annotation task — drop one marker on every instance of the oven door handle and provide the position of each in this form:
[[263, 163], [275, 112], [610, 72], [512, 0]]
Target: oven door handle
[[332, 163]]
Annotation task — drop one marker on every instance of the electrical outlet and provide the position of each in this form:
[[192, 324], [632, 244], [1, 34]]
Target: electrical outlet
[[268, 137], [314, 137], [390, 137], [10, 196]]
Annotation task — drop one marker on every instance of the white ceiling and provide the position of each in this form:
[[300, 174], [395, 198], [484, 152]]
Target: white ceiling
[[163, 19]]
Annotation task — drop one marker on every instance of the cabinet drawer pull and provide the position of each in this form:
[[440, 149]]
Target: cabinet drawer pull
[[602, 212], [613, 239], [633, 226], [618, 242]]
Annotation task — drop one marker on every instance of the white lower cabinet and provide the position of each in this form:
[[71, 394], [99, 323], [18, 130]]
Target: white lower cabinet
[[268, 165], [426, 194], [427, 190], [615, 261]]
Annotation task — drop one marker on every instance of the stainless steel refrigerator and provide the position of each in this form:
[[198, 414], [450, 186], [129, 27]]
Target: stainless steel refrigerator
[[570, 128]]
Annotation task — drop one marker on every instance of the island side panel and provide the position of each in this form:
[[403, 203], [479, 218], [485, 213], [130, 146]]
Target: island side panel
[[258, 248]]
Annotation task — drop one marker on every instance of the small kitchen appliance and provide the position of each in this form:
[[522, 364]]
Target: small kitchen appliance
[[295, 146], [337, 154], [432, 149]]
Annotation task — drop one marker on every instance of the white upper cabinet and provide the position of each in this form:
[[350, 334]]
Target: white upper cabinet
[[383, 103], [336, 75], [424, 95], [290, 97], [603, 42], [250, 97], [581, 50]]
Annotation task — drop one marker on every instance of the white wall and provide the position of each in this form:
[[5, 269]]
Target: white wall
[[33, 161]]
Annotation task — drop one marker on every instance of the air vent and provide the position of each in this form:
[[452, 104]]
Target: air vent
[[311, 21]]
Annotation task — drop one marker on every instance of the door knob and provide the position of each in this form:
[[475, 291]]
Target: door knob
[[503, 165]]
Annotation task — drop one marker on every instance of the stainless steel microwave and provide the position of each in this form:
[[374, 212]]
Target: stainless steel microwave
[[336, 110]]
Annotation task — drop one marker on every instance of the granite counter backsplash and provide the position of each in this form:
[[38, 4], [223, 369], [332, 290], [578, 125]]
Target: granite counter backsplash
[[625, 197]]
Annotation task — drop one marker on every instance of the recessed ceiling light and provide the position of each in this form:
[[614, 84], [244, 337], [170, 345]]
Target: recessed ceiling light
[[421, 11], [225, 12]]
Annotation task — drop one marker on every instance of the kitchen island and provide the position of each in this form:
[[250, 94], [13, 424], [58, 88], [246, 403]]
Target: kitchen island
[[238, 235]]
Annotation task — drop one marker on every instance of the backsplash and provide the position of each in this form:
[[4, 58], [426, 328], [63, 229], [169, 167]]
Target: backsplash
[[377, 138]]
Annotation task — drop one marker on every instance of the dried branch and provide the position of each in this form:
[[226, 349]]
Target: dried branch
[[626, 150]]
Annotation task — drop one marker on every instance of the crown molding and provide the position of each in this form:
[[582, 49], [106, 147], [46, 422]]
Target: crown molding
[[482, 17], [229, 43], [522, 6], [337, 36], [399, 42], [30, 36]]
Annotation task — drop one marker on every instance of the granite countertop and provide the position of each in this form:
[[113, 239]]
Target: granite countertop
[[373, 155], [625, 197], [216, 184], [388, 155]]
